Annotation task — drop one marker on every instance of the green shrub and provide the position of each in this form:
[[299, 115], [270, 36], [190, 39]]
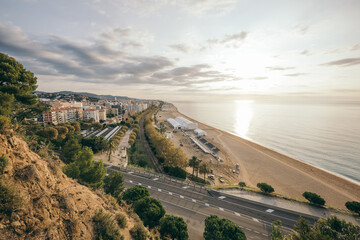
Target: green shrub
[[221, 228], [106, 226], [114, 183], [135, 193], [353, 206], [138, 232], [4, 123], [173, 227], [10, 200], [4, 161], [150, 210], [175, 172], [266, 188], [242, 184], [314, 198], [121, 220]]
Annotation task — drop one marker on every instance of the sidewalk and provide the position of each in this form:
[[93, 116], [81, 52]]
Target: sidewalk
[[292, 205]]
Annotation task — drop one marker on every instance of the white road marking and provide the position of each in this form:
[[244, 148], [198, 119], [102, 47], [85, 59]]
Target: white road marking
[[130, 172], [194, 200], [139, 184], [237, 214], [206, 204], [181, 196], [269, 210], [221, 208], [256, 232], [248, 229], [155, 179], [130, 181], [222, 197], [159, 190], [186, 187], [170, 193], [149, 187], [256, 220]]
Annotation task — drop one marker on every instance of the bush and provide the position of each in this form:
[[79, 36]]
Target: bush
[[266, 188], [173, 227], [353, 206], [196, 179], [242, 184], [220, 228], [175, 172], [314, 198], [138, 232], [150, 210], [10, 200], [114, 183], [135, 193], [106, 227], [4, 161], [4, 123], [121, 220]]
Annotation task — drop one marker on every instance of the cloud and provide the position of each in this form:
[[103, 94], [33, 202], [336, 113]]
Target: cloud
[[180, 47], [305, 52], [355, 47], [294, 74], [102, 62], [301, 28], [278, 68], [238, 37], [194, 7], [346, 62]]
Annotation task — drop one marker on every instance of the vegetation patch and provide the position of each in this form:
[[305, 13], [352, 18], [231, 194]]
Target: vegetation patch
[[106, 226], [10, 200]]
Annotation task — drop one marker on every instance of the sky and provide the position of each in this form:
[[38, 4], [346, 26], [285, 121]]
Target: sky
[[179, 50]]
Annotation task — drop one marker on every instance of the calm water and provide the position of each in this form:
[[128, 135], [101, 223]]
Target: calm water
[[324, 135]]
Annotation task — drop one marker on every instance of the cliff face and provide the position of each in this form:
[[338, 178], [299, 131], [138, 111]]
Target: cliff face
[[54, 206]]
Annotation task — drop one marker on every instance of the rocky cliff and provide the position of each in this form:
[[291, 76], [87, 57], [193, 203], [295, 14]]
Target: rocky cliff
[[53, 206]]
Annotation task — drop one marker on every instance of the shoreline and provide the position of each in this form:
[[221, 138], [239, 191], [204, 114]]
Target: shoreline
[[254, 159], [251, 141]]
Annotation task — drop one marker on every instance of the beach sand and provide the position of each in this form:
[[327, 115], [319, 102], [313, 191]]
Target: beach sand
[[288, 176]]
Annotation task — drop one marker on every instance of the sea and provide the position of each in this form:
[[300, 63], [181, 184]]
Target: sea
[[325, 135]]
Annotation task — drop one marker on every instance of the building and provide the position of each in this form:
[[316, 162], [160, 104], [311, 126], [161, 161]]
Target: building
[[199, 132], [186, 124], [91, 114], [63, 115], [174, 123], [49, 118], [102, 114]]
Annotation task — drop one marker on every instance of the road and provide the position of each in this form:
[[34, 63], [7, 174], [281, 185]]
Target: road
[[195, 203]]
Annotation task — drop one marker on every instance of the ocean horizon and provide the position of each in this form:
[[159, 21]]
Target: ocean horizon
[[325, 135]]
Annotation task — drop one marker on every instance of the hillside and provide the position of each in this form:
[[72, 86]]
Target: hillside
[[53, 205]]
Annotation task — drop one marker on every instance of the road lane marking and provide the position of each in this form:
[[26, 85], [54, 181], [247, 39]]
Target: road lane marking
[[159, 190], [221, 209], [181, 196], [194, 200], [269, 210], [130, 172], [248, 229], [206, 204], [155, 179], [222, 197], [130, 181], [256, 232], [237, 214], [149, 187], [170, 193], [256, 220], [139, 184], [185, 187]]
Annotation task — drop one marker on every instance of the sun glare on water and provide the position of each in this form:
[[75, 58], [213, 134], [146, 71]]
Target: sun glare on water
[[243, 114]]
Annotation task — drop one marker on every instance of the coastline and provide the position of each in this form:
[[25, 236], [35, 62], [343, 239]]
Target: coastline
[[289, 176]]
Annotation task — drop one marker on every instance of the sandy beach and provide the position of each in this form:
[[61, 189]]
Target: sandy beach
[[288, 176]]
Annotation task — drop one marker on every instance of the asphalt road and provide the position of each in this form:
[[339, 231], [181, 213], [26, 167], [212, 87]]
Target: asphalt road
[[195, 204]]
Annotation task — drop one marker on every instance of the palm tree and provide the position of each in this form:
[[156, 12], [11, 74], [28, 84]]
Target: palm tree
[[194, 163], [204, 169], [111, 147]]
